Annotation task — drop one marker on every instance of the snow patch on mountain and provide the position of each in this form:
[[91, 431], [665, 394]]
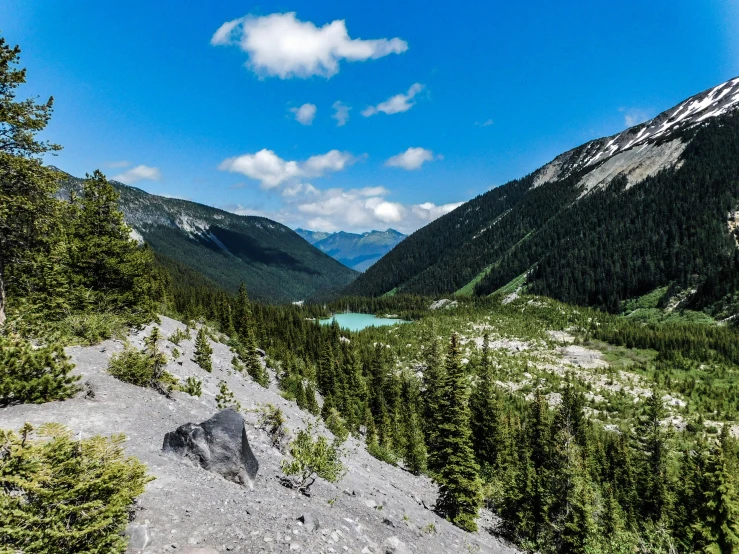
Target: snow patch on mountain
[[689, 114]]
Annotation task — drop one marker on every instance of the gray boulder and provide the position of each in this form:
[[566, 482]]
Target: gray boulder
[[219, 445], [393, 545]]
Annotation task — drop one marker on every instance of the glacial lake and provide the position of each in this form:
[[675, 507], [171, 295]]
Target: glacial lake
[[357, 322]]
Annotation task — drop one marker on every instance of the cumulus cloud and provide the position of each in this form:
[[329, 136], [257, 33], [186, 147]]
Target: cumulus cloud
[[395, 104], [341, 113], [304, 114], [138, 173], [413, 158], [281, 45], [271, 171], [359, 209]]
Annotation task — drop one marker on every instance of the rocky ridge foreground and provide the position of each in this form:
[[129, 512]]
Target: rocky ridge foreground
[[375, 508]]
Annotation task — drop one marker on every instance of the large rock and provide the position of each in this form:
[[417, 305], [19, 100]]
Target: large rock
[[219, 445]]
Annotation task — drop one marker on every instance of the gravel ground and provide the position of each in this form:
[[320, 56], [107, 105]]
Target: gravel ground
[[375, 508]]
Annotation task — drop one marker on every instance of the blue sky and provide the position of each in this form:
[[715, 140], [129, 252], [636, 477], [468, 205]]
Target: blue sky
[[233, 104]]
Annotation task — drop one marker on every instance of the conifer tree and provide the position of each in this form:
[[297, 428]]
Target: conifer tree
[[485, 410], [29, 214], [105, 259], [717, 528], [460, 493], [413, 446], [653, 449], [310, 399], [33, 375], [433, 386], [203, 351], [253, 361]]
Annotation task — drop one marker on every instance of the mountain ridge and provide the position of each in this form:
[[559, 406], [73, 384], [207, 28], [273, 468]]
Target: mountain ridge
[[496, 237], [273, 261], [358, 251]]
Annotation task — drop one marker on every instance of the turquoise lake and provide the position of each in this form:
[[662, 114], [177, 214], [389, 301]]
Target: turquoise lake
[[357, 322]]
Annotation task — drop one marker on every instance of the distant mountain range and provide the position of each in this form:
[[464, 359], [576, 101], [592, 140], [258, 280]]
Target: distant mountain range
[[615, 218], [274, 262], [357, 251]]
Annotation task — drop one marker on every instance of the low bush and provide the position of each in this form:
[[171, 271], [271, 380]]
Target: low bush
[[312, 457], [59, 495], [143, 368], [34, 375]]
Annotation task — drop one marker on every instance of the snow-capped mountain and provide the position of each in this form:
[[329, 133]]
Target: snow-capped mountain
[[620, 216]]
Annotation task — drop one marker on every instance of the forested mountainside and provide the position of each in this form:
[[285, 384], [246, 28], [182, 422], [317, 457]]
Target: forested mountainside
[[612, 219], [273, 262], [355, 250]]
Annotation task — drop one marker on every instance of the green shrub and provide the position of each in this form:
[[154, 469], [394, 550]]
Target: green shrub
[[33, 375], [225, 398], [192, 386], [382, 453], [58, 495], [178, 336], [203, 351], [272, 421], [143, 368], [176, 353], [336, 424], [312, 458], [89, 327]]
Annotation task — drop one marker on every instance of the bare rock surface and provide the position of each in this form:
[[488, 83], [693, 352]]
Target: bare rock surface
[[219, 444], [188, 509]]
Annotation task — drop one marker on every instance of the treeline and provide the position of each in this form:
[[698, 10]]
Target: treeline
[[599, 250], [58, 258]]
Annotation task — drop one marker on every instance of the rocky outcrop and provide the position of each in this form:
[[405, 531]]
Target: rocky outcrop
[[219, 445]]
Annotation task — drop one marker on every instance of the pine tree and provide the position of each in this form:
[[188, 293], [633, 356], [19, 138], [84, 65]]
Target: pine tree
[[433, 386], [33, 375], [203, 351], [414, 449], [310, 399], [460, 494], [653, 449], [717, 528], [485, 410], [29, 214], [253, 361], [105, 259], [242, 316]]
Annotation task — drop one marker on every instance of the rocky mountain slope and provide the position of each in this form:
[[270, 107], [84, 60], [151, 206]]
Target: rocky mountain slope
[[606, 221], [375, 508], [354, 250], [272, 260]]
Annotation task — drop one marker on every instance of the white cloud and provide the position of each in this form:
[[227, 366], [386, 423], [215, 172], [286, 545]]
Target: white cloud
[[413, 158], [349, 210], [138, 173], [486, 123], [429, 211], [281, 45], [304, 114], [634, 116], [396, 104], [341, 113], [271, 171], [333, 160], [117, 165]]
